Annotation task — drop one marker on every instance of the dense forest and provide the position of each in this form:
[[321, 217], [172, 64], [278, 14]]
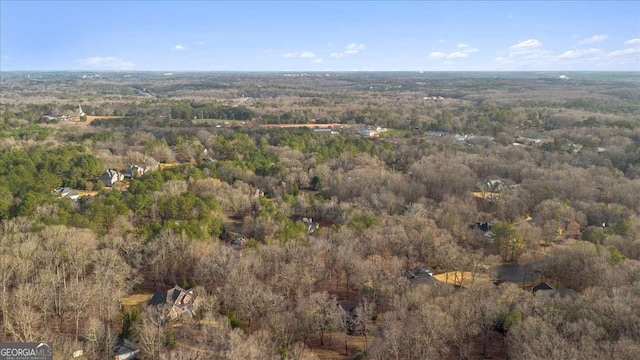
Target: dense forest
[[442, 216]]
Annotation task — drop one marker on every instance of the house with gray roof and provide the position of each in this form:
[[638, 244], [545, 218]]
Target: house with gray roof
[[124, 350], [110, 177], [179, 301], [545, 289], [133, 171]]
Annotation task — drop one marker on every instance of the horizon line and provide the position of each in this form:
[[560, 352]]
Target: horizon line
[[313, 71]]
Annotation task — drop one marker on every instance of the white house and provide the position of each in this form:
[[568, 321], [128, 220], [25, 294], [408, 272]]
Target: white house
[[111, 177], [133, 171]]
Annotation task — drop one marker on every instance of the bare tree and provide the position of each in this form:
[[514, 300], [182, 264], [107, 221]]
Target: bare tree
[[150, 331], [100, 339], [363, 320], [79, 298], [23, 322], [319, 314], [415, 329]]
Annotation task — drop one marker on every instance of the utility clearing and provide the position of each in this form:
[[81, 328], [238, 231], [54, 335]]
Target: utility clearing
[[461, 278]]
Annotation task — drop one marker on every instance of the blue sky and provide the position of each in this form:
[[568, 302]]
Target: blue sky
[[319, 36]]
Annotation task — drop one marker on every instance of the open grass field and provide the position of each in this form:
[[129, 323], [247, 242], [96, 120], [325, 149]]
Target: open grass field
[[486, 195], [136, 299], [87, 192], [92, 118], [461, 278], [394, 133], [163, 166]]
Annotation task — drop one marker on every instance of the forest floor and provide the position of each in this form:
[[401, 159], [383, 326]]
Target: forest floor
[[496, 348], [334, 347]]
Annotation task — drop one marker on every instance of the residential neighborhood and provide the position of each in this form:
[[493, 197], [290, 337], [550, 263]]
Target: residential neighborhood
[[330, 217], [179, 301]]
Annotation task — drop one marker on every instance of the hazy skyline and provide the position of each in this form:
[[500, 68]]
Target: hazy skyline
[[319, 36]]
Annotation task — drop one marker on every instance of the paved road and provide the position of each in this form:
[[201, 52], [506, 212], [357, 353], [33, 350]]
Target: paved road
[[516, 273]]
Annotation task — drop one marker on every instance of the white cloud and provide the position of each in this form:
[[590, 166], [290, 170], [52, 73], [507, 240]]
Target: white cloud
[[538, 56], [464, 48], [307, 55], [301, 55], [350, 49], [356, 47], [463, 51], [441, 41], [592, 40], [316, 61], [528, 54], [528, 49], [107, 63], [179, 48], [632, 49], [531, 54], [353, 48], [632, 42], [527, 44], [573, 54], [457, 54], [625, 52]]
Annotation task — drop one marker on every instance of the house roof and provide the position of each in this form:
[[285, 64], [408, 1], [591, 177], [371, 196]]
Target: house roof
[[482, 226], [542, 286], [421, 276], [562, 293], [175, 296], [239, 241], [133, 170], [158, 298], [124, 346], [348, 305]]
